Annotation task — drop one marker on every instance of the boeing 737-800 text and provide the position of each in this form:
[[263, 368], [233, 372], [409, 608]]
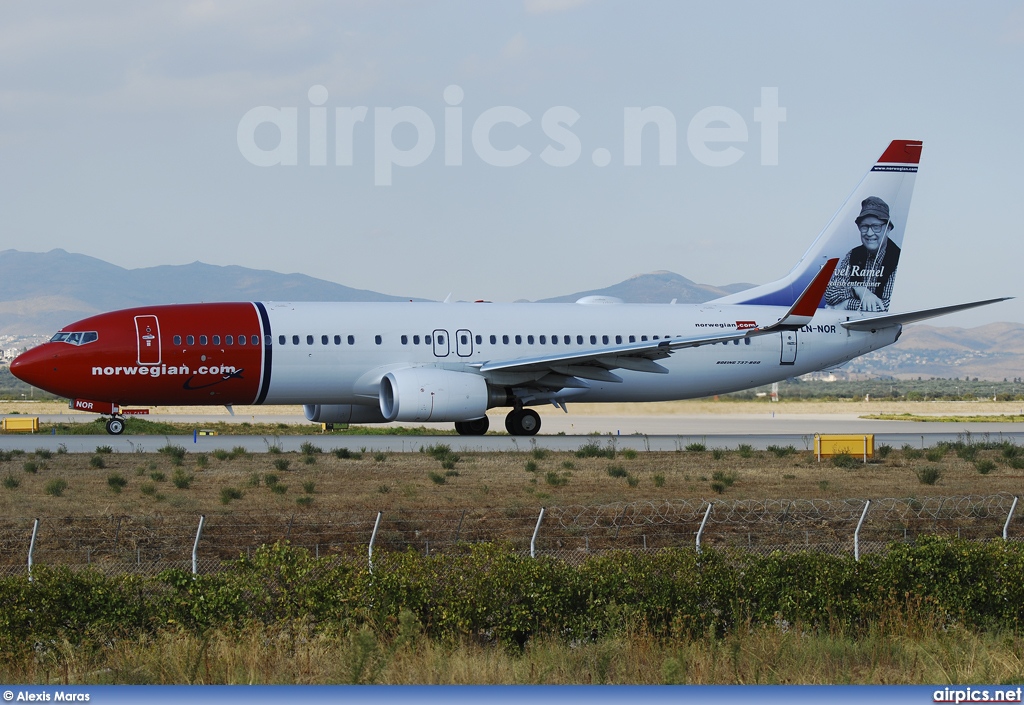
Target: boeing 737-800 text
[[423, 362]]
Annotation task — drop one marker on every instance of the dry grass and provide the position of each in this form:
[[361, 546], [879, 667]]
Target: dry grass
[[476, 480], [779, 655]]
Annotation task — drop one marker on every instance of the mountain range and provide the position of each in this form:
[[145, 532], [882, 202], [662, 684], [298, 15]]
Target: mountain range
[[40, 292]]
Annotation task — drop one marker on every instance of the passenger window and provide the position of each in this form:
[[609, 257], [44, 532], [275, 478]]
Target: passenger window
[[280, 340], [309, 340], [377, 339], [464, 339], [351, 340], [579, 340], [479, 339], [255, 340], [440, 340], [415, 340], [177, 340], [427, 339], [567, 340], [268, 340], [229, 339], [643, 337], [632, 338], [323, 340], [337, 340], [543, 340], [554, 340], [593, 340], [519, 340], [190, 339], [618, 340], [216, 340], [202, 340], [295, 340], [241, 340], [494, 340], [655, 337], [405, 340], [504, 340]]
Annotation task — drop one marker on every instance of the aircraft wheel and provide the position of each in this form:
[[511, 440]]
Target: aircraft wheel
[[522, 422], [476, 427], [115, 426]]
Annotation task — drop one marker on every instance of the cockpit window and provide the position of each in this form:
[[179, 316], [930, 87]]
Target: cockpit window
[[76, 338]]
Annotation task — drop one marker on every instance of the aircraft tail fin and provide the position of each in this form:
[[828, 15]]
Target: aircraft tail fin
[[865, 235]]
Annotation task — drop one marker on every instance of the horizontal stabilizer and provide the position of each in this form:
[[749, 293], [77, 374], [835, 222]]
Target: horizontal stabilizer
[[801, 312], [895, 319]]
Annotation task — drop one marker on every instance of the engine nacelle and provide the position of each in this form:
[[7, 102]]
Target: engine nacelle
[[432, 394], [342, 413]]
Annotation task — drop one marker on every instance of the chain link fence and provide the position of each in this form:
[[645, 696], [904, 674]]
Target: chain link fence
[[152, 543]]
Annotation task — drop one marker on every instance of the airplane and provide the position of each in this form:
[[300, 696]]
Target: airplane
[[367, 363]]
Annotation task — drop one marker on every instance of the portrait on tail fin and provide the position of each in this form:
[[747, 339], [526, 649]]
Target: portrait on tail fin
[[865, 276]]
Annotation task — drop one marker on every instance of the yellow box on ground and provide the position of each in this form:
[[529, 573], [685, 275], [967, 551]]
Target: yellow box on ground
[[858, 445], [21, 423]]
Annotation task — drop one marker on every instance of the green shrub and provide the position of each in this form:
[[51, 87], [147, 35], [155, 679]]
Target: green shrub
[[984, 466], [308, 459], [172, 451], [309, 487], [531, 466], [781, 451], [928, 475], [30, 466], [936, 454], [380, 457], [55, 487], [44, 453], [282, 464], [97, 461], [221, 454], [157, 476], [718, 454], [911, 453], [270, 479], [696, 447], [632, 480], [745, 450], [629, 454], [726, 478], [437, 478], [181, 479], [202, 461], [659, 480], [555, 479], [227, 494], [279, 488], [116, 482], [882, 451], [616, 471], [308, 448], [346, 454], [593, 450], [11, 482], [304, 501], [718, 487], [540, 453], [148, 489], [845, 460], [106, 450]]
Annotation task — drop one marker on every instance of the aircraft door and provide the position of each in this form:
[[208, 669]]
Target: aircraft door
[[147, 333], [789, 346], [441, 344], [463, 343]]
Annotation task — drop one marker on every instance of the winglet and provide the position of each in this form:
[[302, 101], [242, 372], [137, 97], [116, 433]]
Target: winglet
[[801, 313]]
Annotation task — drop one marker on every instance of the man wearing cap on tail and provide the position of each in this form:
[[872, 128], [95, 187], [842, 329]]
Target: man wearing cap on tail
[[864, 278]]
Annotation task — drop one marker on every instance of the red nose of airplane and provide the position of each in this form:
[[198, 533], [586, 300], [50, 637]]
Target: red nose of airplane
[[36, 366]]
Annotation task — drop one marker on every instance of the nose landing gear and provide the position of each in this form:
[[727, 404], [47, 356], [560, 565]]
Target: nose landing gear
[[115, 425]]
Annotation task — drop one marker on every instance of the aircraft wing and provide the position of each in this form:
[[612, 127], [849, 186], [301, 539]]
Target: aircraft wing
[[567, 370], [895, 319]]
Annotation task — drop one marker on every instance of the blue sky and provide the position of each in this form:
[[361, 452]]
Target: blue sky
[[119, 138]]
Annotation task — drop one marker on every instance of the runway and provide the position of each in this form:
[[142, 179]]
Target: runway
[[559, 432]]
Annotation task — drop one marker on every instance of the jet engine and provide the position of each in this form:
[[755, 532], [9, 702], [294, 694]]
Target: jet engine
[[342, 413], [432, 394]]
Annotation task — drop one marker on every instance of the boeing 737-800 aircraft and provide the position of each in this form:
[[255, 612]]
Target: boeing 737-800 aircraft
[[420, 362]]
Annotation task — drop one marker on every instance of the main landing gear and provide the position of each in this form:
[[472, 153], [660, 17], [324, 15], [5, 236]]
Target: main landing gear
[[522, 422], [519, 422], [476, 427], [115, 425]]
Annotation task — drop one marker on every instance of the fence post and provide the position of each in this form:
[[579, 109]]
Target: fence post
[[373, 538], [536, 530], [195, 546], [856, 533], [703, 523], [32, 547], [1006, 526]]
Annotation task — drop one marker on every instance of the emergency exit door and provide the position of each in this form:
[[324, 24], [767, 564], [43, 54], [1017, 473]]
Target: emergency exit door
[[147, 333]]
